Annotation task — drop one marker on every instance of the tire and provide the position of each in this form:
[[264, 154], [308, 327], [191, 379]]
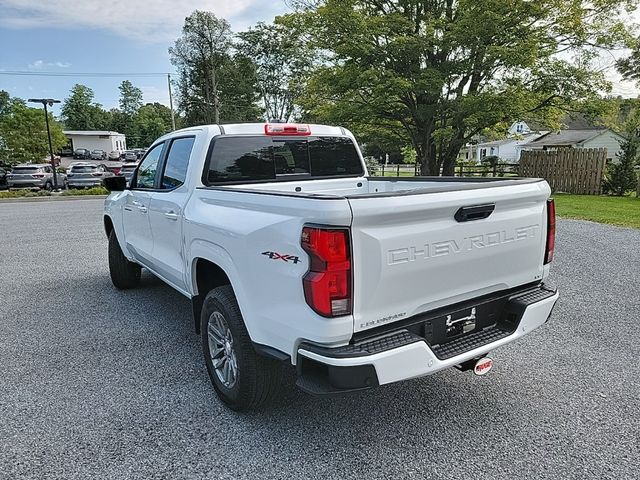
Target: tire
[[124, 274], [257, 379], [48, 186]]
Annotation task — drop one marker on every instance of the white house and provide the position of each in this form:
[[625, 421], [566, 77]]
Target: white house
[[580, 138], [96, 140], [508, 149]]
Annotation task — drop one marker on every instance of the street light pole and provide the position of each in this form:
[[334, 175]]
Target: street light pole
[[50, 102], [173, 116]]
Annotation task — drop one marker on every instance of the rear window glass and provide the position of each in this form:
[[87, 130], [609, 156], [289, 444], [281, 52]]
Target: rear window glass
[[84, 168], [25, 170], [237, 159]]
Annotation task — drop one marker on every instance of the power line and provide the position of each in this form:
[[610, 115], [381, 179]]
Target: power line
[[81, 74]]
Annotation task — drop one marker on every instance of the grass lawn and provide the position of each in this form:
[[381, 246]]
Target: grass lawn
[[624, 211]]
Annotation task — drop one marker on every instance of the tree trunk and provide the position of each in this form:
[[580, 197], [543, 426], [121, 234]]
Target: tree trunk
[[426, 151]]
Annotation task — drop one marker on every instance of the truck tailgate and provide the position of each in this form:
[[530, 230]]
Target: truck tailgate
[[410, 254]]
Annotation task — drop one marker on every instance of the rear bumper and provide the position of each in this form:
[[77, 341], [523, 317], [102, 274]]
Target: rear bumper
[[402, 355], [26, 184]]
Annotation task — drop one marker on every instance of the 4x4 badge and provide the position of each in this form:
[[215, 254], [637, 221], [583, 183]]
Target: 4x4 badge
[[280, 256]]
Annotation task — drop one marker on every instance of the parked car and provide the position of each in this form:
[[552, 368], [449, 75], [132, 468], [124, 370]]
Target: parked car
[[292, 254], [130, 156], [140, 152], [87, 175], [66, 152], [115, 155], [114, 167], [98, 155], [35, 176], [82, 154], [127, 171], [3, 177]]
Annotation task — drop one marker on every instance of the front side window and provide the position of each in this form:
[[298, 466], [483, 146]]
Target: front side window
[[263, 158], [146, 177], [175, 171]]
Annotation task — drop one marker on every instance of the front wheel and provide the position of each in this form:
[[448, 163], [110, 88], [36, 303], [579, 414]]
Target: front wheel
[[242, 379]]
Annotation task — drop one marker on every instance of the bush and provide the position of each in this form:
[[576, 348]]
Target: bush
[[24, 193], [372, 165], [621, 176], [88, 191]]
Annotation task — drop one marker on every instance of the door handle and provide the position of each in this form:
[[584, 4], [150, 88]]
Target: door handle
[[142, 209], [476, 212], [171, 215], [137, 203]]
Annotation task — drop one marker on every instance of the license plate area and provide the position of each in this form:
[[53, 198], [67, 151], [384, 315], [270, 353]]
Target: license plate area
[[458, 323]]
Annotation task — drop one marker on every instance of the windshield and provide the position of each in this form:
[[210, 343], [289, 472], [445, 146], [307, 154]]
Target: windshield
[[266, 158], [25, 170], [83, 168]]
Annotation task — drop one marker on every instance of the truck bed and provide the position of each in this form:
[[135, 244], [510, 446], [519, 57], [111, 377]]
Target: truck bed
[[376, 186]]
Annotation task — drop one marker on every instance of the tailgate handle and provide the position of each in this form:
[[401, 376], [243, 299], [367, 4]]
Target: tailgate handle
[[475, 212]]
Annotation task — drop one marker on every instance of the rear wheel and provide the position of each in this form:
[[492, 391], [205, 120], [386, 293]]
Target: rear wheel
[[124, 274], [242, 379]]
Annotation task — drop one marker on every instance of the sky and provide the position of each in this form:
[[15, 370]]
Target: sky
[[117, 36]]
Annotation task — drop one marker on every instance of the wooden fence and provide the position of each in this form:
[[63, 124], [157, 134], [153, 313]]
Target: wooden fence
[[571, 170]]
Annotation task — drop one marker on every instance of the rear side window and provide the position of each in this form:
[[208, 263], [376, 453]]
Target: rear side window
[[175, 170], [262, 158]]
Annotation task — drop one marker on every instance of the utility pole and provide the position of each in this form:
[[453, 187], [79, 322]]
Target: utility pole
[[173, 116], [50, 102]]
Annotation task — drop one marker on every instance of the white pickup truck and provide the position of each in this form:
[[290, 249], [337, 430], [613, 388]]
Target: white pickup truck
[[291, 253]]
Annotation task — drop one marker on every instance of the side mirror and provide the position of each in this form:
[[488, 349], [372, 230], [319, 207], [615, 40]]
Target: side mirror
[[115, 184]]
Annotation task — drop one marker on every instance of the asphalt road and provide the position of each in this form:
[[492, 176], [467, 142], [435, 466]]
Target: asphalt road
[[97, 383]]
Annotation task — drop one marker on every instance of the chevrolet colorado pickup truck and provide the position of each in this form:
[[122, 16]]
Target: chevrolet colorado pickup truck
[[290, 253]]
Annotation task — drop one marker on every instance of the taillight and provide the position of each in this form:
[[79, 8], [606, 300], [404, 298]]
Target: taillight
[[327, 284], [286, 129], [551, 231]]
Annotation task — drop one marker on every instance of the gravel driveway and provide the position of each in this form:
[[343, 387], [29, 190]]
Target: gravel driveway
[[98, 383]]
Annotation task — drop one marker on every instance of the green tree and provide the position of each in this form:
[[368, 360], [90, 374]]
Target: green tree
[[283, 62], [130, 98], [214, 84], [622, 176], [80, 112], [439, 72], [152, 121], [24, 133]]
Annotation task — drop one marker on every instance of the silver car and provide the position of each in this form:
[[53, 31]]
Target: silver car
[[130, 156], [127, 171], [87, 175], [98, 155], [35, 176]]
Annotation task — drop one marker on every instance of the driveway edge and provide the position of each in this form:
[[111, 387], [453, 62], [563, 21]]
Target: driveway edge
[[60, 198]]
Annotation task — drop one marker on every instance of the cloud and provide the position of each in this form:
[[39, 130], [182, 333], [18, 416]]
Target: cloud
[[147, 20], [41, 64]]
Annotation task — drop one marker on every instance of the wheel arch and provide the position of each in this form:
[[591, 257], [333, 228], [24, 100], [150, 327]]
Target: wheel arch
[[205, 276], [108, 225]]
